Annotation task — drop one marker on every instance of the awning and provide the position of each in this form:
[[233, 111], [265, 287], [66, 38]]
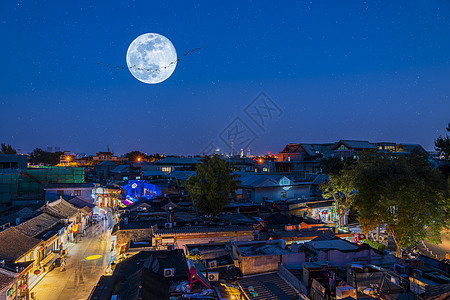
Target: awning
[[48, 258]]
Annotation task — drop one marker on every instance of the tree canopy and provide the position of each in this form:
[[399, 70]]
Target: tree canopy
[[442, 144], [136, 155], [38, 156], [7, 149], [404, 193], [213, 186], [340, 188]]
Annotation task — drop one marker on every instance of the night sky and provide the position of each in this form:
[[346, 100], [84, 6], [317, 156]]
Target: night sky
[[375, 70]]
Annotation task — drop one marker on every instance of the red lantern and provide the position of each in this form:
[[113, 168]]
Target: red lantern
[[22, 287], [37, 272], [40, 248], [75, 228]]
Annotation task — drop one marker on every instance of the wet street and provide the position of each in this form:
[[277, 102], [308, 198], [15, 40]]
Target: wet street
[[86, 261]]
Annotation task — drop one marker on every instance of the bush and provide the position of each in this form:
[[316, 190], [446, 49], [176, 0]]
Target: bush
[[376, 245]]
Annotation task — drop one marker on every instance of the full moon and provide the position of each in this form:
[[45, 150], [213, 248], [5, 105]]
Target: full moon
[[151, 58]]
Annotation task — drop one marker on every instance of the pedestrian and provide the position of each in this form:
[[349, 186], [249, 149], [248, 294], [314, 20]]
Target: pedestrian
[[447, 256], [63, 265]]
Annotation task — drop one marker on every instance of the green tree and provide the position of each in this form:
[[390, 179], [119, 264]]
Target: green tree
[[334, 165], [213, 185], [340, 188], [442, 144], [404, 193], [8, 149], [38, 156], [134, 156]]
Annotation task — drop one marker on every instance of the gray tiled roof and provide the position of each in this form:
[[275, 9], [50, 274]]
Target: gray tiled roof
[[37, 224], [14, 244], [6, 280], [60, 208], [357, 144], [24, 214], [177, 161]]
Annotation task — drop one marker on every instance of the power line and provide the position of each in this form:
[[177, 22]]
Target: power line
[[102, 64]]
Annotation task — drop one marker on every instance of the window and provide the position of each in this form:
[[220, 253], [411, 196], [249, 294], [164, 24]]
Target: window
[[166, 169], [60, 192], [283, 194], [77, 193], [125, 177]]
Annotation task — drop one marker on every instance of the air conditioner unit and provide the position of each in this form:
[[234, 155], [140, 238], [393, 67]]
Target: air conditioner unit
[[212, 264], [170, 247], [168, 225], [169, 272], [213, 276]]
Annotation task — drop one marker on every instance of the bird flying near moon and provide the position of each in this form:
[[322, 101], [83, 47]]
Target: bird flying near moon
[[151, 58]]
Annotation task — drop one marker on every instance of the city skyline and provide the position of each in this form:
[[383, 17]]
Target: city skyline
[[361, 71]]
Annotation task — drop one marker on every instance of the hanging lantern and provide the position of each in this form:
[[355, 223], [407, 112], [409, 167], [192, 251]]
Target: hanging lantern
[[40, 248], [74, 228], [37, 272], [22, 287]]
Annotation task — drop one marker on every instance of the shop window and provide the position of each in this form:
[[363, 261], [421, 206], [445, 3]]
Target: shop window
[[77, 193]]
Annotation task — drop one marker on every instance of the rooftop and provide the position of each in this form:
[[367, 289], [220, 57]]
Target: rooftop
[[202, 229], [177, 161], [6, 281], [14, 244], [267, 286], [68, 186], [37, 224], [60, 208]]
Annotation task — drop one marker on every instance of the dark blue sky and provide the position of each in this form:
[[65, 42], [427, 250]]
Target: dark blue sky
[[375, 70]]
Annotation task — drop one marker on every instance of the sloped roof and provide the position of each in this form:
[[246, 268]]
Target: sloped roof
[[80, 203], [411, 147], [153, 173], [37, 224], [142, 274], [60, 208], [250, 179], [181, 175], [6, 280], [177, 161], [24, 214], [355, 144], [14, 244], [107, 163], [121, 169]]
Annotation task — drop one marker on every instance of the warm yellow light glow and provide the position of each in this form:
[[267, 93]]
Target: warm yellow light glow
[[93, 257], [260, 160], [139, 159], [68, 157]]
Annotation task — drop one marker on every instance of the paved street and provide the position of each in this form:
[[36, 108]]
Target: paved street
[[441, 249], [81, 274]]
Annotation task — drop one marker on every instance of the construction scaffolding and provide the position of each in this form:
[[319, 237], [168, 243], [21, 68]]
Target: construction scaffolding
[[32, 181]]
